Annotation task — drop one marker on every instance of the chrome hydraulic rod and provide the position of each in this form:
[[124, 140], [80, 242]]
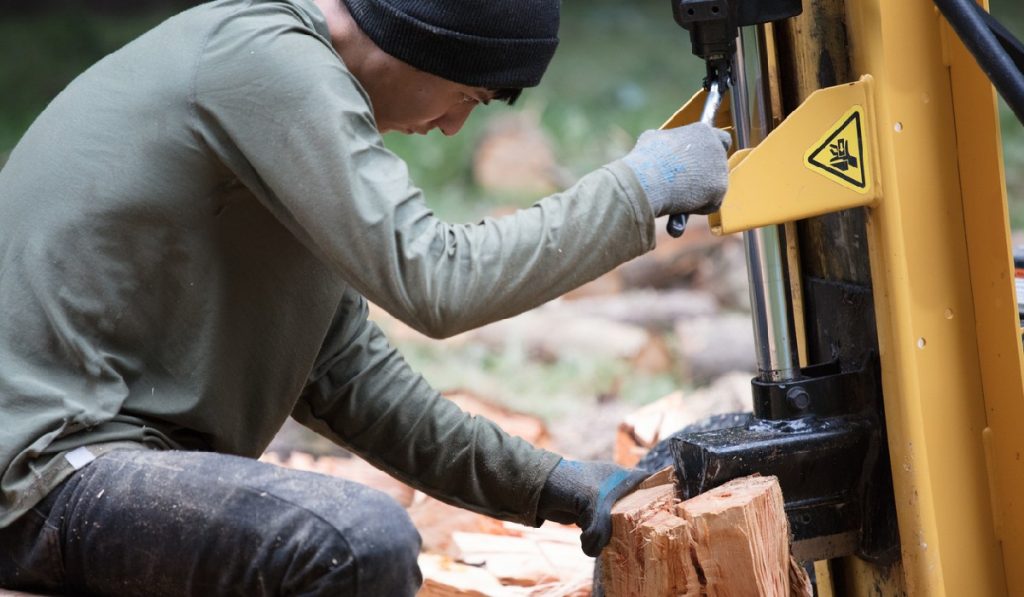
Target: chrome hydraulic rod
[[716, 89], [774, 342]]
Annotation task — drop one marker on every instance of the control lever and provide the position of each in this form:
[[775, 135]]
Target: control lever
[[714, 27], [716, 90]]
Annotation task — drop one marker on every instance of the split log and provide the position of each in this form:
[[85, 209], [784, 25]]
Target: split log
[[730, 541], [741, 537], [444, 577], [648, 553], [642, 429]]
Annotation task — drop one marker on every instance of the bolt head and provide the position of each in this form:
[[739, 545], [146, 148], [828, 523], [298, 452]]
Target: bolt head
[[798, 398]]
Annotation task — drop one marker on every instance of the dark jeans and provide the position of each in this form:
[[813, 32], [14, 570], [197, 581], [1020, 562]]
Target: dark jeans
[[193, 523]]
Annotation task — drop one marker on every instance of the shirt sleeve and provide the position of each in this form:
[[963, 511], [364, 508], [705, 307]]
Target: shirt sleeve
[[364, 396], [279, 109]]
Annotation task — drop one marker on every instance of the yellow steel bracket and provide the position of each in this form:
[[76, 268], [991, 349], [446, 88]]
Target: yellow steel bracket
[[821, 159], [691, 110]]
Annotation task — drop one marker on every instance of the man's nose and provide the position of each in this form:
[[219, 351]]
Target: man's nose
[[453, 121]]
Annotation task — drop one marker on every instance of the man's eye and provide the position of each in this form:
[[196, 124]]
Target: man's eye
[[467, 99]]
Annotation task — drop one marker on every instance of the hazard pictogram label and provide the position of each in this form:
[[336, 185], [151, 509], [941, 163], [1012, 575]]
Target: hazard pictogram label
[[841, 154]]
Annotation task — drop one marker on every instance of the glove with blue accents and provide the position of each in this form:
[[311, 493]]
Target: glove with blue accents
[[583, 493], [683, 170]]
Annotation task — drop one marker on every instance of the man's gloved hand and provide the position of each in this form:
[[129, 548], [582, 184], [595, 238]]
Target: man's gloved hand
[[683, 170], [583, 493]]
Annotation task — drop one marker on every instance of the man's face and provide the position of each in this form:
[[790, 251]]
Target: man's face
[[414, 101]]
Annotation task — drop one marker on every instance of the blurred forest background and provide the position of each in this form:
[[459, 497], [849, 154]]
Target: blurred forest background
[[623, 66]]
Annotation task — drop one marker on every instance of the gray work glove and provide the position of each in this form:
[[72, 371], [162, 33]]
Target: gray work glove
[[683, 170], [583, 493]]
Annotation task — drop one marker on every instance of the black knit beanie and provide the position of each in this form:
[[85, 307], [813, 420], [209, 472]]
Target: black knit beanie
[[495, 44]]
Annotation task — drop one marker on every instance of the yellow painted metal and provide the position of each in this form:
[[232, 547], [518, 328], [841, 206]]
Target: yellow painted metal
[[796, 292], [987, 228], [823, 579], [932, 297], [859, 578], [691, 111], [772, 183], [952, 363], [773, 104]]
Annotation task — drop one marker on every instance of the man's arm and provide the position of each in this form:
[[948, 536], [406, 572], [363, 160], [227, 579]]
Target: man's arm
[[364, 396], [278, 108]]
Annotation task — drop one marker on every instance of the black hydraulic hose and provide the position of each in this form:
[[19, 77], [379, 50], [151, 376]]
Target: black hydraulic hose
[[1010, 43], [970, 26]]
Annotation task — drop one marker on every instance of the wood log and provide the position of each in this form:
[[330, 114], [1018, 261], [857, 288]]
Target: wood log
[[648, 554], [642, 429], [730, 541], [741, 537]]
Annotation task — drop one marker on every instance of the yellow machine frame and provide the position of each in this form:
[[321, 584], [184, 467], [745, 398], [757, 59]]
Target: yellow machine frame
[[942, 273]]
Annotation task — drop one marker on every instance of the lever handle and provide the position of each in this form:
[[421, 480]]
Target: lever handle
[[677, 223]]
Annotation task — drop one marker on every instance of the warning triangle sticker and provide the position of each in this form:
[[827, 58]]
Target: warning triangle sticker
[[841, 155]]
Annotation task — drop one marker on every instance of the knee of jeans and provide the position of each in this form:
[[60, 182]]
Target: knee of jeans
[[364, 545], [385, 545], [387, 527]]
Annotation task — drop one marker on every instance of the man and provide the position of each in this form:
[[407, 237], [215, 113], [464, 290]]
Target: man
[[189, 234]]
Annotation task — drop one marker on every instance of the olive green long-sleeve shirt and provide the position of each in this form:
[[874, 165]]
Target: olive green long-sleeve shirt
[[189, 234]]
